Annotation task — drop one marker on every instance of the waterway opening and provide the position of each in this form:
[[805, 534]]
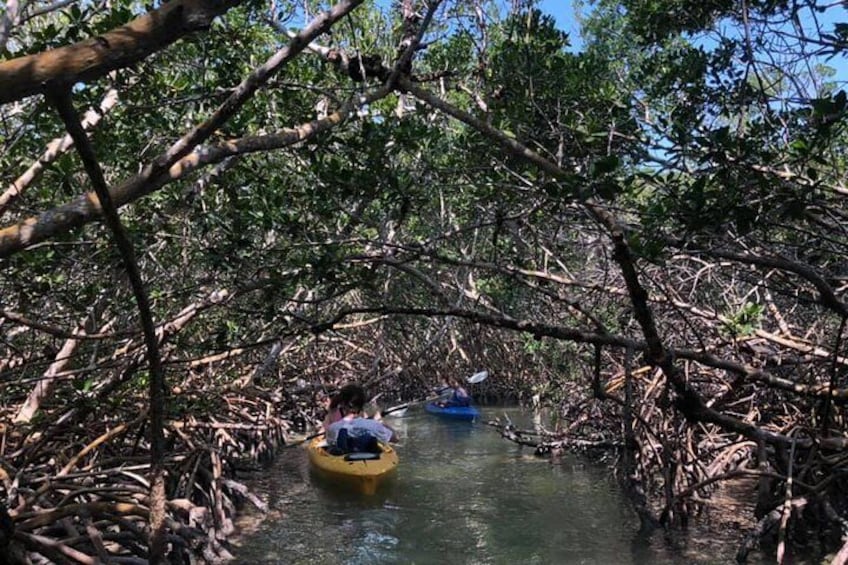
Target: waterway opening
[[462, 494]]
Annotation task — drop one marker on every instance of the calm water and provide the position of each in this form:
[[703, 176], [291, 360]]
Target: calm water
[[462, 495]]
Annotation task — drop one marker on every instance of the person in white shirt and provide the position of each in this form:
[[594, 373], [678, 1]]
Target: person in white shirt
[[355, 423]]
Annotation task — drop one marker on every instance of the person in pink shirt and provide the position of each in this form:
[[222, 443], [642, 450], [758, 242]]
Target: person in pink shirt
[[343, 397], [456, 394]]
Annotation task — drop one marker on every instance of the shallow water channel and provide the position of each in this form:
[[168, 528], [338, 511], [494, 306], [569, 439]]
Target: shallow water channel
[[462, 495]]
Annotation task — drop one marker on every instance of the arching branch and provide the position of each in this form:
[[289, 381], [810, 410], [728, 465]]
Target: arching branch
[[95, 57], [183, 156]]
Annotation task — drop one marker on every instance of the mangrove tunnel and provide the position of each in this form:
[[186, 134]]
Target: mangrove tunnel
[[216, 213]]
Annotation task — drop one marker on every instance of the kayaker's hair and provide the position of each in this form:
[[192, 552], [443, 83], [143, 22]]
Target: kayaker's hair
[[350, 398]]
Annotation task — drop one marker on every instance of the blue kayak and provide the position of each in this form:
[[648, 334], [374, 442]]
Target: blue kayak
[[467, 413]]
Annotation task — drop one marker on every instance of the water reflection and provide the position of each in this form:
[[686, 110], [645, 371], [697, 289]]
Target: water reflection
[[462, 495]]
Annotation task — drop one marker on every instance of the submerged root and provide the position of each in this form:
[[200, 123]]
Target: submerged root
[[675, 470]]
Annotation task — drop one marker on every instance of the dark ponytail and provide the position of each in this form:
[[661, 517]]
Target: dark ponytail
[[350, 399]]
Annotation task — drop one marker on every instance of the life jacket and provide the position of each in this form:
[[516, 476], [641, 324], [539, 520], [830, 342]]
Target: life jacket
[[456, 400]]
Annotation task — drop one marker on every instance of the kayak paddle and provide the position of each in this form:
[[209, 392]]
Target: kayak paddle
[[400, 409]]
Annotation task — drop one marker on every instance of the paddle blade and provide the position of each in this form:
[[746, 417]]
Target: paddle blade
[[478, 377], [397, 411]]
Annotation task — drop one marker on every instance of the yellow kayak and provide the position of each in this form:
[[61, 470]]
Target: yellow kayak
[[356, 469]]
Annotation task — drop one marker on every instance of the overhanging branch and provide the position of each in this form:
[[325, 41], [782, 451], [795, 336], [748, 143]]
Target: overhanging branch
[[95, 57], [185, 156]]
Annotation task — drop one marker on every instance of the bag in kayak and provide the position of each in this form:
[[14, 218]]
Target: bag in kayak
[[359, 443]]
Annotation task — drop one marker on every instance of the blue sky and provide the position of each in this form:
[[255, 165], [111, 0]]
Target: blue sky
[[564, 13]]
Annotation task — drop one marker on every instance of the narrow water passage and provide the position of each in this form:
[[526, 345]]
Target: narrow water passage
[[462, 495]]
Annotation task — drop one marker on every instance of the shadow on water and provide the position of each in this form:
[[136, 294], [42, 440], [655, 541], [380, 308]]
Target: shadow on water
[[462, 495]]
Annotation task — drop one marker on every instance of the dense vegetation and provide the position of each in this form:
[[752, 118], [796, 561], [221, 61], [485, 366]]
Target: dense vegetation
[[216, 211]]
